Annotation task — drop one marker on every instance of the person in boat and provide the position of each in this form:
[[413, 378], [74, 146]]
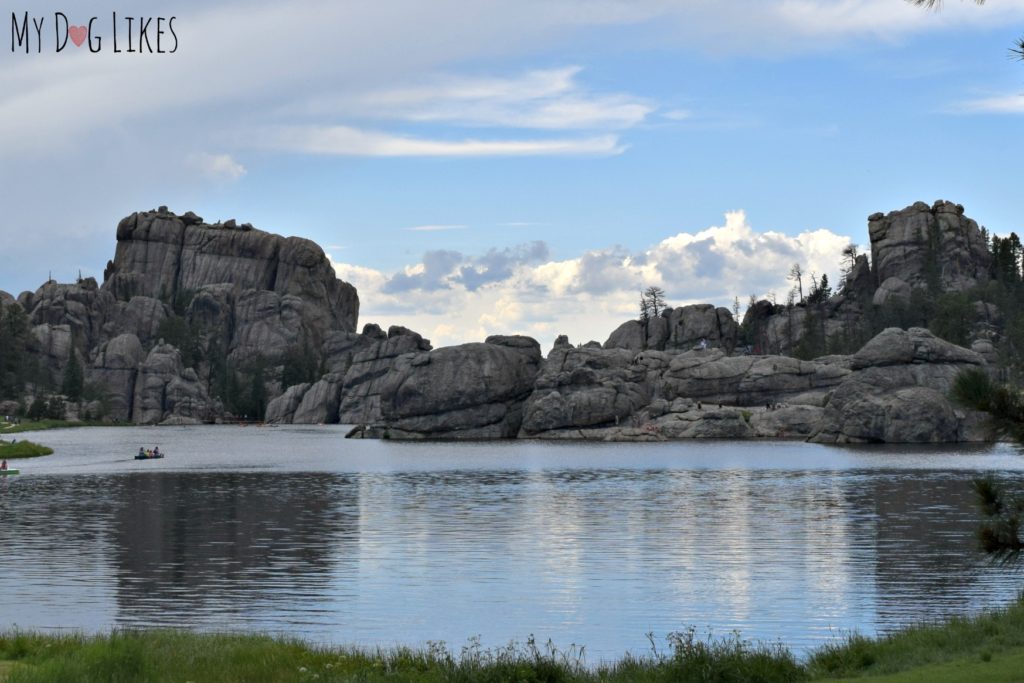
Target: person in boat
[[142, 452], [156, 452], [3, 466]]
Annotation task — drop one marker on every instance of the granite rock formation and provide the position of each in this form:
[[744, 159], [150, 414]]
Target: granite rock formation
[[470, 391], [229, 296], [678, 329], [921, 241]]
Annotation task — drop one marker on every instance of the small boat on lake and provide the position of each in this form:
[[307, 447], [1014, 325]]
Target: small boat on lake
[[149, 455], [4, 473]]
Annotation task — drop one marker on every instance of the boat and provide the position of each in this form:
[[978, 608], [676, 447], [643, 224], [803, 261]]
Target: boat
[[149, 457], [4, 473]]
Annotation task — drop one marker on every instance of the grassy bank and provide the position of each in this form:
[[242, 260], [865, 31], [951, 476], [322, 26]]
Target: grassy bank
[[40, 425], [989, 647], [22, 449]]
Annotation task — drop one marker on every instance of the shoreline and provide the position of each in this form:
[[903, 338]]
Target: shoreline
[[986, 646]]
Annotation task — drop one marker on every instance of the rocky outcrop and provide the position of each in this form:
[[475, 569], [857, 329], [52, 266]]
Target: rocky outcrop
[[113, 373], [364, 380], [922, 242], [892, 291], [893, 390], [471, 391], [897, 392], [586, 388], [82, 306], [269, 293], [168, 392], [281, 410], [920, 247], [678, 329], [161, 256], [240, 303]]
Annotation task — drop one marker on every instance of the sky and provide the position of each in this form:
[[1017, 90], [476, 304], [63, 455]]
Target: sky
[[510, 167]]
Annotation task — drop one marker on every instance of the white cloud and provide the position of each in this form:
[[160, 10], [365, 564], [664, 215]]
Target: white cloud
[[217, 166], [540, 99], [454, 298], [676, 114], [1001, 104], [348, 141]]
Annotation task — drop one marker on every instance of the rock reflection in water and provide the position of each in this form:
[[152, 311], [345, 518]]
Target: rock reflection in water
[[222, 543], [593, 555]]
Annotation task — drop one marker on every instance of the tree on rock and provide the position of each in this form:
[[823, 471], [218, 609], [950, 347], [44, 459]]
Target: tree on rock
[[796, 274], [74, 377], [655, 298]]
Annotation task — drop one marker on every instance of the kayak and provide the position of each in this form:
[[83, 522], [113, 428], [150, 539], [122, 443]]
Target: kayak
[[4, 473], [149, 457]]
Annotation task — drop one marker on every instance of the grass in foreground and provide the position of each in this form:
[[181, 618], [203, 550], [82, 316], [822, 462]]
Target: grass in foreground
[[989, 647], [40, 425], [22, 449]]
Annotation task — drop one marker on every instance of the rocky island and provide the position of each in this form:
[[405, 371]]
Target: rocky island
[[198, 322]]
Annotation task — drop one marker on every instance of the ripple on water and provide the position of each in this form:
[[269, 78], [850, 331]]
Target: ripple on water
[[299, 531]]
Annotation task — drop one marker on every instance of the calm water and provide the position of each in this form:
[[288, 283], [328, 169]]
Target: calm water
[[296, 530]]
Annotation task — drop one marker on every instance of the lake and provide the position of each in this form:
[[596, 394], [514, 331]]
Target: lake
[[296, 530]]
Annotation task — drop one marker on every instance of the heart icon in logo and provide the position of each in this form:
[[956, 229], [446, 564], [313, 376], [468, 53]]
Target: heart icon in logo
[[78, 34]]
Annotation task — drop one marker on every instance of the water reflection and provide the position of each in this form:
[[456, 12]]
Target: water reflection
[[221, 543], [595, 555]]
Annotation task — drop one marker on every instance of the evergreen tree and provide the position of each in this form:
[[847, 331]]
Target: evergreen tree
[[74, 378], [14, 334]]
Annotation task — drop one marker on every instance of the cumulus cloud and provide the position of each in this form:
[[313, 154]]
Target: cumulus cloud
[[453, 297]]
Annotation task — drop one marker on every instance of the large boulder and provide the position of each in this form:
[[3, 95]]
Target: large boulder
[[585, 387], [892, 291], [748, 380], [320, 403], [678, 329], [364, 378], [897, 392], [461, 392], [700, 325], [281, 409]]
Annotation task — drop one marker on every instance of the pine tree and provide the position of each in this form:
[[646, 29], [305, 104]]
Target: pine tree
[[74, 378]]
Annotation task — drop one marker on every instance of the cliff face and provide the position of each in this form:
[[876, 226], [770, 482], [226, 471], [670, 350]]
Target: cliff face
[[924, 242], [227, 297], [164, 256], [924, 248]]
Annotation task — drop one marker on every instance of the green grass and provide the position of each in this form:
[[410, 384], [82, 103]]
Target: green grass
[[1006, 668], [40, 425], [183, 656], [960, 638], [989, 647], [22, 449]]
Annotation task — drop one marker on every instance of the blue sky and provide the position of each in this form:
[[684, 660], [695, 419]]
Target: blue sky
[[498, 167]]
